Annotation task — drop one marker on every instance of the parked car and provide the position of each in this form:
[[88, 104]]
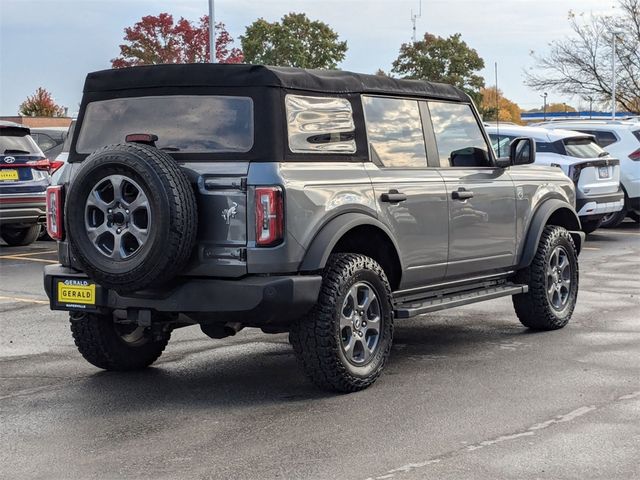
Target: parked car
[[50, 140], [24, 179], [595, 173], [621, 139], [326, 204]]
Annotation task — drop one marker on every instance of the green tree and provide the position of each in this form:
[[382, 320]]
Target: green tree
[[41, 104], [295, 41], [448, 60]]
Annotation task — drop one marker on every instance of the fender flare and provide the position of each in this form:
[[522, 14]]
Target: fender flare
[[539, 221], [326, 239]]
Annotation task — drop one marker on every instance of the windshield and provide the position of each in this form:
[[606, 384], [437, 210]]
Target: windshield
[[182, 123], [17, 141], [581, 147], [501, 143]]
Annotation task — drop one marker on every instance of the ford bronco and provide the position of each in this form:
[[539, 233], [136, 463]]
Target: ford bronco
[[326, 204]]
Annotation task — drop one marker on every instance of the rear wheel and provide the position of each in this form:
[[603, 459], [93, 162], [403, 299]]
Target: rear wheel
[[116, 346], [345, 341], [19, 237], [552, 278], [612, 220], [590, 226]]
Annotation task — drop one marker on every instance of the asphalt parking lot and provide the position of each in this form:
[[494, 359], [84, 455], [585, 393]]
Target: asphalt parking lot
[[468, 393]]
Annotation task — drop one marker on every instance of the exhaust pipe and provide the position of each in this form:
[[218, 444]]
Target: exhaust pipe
[[221, 330]]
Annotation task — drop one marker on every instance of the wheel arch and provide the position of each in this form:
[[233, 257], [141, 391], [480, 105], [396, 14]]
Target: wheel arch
[[551, 212], [355, 233]]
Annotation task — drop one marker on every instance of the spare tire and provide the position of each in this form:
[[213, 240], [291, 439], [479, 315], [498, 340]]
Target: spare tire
[[131, 216]]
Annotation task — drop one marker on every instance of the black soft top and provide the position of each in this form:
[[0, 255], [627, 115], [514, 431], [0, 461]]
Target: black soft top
[[243, 75]]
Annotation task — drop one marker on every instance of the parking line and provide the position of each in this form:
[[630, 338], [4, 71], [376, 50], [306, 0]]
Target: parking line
[[32, 253], [25, 300], [15, 257], [618, 233], [591, 248]]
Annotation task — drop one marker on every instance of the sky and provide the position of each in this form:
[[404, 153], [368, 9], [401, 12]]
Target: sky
[[55, 43]]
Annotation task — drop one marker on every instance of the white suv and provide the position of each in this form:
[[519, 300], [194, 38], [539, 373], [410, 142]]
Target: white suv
[[622, 139], [595, 172]]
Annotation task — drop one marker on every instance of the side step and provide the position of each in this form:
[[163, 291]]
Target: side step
[[443, 300]]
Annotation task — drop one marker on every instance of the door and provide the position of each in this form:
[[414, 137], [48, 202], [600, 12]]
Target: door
[[481, 197], [411, 196]]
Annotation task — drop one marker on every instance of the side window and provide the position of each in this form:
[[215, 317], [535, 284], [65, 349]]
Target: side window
[[605, 138], [45, 142], [394, 130], [320, 124], [458, 136], [546, 147]]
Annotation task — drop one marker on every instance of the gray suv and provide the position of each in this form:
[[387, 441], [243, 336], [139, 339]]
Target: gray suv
[[325, 204]]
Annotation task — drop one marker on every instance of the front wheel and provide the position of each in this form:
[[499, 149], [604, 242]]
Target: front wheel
[[345, 341], [20, 237], [116, 346], [552, 278]]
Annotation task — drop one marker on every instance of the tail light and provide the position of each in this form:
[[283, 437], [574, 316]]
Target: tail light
[[54, 212], [635, 156], [269, 216], [48, 165]]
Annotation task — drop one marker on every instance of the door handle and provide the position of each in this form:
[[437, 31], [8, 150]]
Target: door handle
[[393, 196], [461, 194]]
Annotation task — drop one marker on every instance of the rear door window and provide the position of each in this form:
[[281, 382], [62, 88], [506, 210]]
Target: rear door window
[[636, 133], [458, 135], [320, 124], [183, 123], [394, 131], [583, 147]]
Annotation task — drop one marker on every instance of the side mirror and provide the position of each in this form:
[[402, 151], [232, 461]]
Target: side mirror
[[522, 151]]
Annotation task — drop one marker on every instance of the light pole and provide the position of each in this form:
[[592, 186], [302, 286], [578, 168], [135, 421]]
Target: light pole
[[212, 32], [614, 35], [544, 108], [590, 107]]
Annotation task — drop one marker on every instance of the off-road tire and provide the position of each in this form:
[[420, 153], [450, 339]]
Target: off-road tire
[[590, 226], [316, 337], [101, 345], [533, 308], [613, 220], [173, 217], [20, 237]]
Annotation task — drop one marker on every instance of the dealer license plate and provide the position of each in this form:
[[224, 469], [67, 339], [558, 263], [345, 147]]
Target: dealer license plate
[[603, 172], [71, 293], [7, 175]]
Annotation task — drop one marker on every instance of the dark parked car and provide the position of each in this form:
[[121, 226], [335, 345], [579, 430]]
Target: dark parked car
[[326, 204], [24, 178], [50, 140]]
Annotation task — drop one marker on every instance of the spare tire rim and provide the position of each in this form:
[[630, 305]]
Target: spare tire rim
[[360, 324], [117, 217], [558, 278]]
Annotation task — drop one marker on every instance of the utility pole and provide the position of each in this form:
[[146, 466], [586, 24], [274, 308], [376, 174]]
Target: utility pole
[[614, 35], [544, 108], [415, 17], [212, 32]]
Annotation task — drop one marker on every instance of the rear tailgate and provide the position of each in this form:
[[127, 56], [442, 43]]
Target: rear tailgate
[[596, 173]]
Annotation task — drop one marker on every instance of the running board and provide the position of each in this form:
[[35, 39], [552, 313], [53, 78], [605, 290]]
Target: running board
[[440, 301]]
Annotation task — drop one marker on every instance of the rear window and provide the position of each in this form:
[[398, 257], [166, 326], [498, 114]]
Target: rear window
[[183, 123], [581, 147], [16, 141]]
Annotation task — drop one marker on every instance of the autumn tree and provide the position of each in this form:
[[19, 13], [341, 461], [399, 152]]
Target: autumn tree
[[580, 65], [41, 104], [508, 111], [295, 41], [437, 59], [158, 39]]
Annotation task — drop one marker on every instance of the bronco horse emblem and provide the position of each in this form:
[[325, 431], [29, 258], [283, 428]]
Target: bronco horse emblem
[[229, 213]]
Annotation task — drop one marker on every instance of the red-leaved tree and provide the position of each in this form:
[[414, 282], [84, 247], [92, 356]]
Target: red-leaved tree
[[158, 39], [41, 104]]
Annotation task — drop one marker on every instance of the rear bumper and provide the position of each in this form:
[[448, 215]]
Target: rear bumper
[[23, 208], [254, 301], [600, 205]]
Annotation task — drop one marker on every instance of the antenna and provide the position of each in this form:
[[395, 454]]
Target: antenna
[[415, 17]]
